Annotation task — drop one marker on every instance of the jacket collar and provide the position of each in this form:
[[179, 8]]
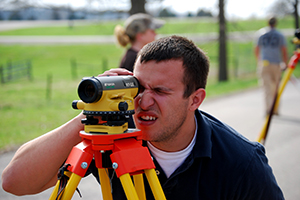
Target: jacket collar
[[203, 145]]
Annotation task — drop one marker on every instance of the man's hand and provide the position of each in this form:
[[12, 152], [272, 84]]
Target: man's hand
[[283, 66], [116, 72]]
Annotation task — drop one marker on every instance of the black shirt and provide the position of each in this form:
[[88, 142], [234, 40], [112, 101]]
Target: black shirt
[[222, 165], [129, 59]]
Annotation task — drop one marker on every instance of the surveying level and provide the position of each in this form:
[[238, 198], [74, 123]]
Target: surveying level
[[107, 102], [286, 77]]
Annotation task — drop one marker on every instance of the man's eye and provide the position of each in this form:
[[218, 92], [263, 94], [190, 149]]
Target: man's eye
[[159, 91]]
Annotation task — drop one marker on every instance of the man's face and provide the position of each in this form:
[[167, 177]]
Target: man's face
[[160, 109]]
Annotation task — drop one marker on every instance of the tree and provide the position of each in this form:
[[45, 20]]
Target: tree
[[17, 4], [296, 14], [222, 43], [137, 6], [282, 8], [55, 13], [166, 13], [286, 7], [204, 13], [15, 15]]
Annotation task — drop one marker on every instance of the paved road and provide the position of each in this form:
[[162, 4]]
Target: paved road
[[101, 39], [243, 111]]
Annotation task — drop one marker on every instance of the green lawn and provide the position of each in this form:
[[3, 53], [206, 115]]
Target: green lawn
[[192, 25]]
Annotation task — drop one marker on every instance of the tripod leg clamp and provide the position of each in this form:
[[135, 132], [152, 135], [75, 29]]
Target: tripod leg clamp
[[129, 156], [80, 158]]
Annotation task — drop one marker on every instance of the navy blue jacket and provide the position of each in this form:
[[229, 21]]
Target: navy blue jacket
[[222, 165]]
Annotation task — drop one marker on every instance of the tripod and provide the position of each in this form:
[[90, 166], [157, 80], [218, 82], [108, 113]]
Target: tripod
[[290, 68], [129, 157], [107, 139]]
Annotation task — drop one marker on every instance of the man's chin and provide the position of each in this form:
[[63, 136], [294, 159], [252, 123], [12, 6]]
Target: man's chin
[[145, 135]]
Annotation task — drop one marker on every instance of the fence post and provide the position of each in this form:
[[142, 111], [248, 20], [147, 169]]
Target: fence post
[[9, 70], [2, 74], [235, 66], [104, 64], [73, 68], [48, 87], [29, 70]]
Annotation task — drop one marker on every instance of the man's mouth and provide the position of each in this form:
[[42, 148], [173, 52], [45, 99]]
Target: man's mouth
[[147, 118]]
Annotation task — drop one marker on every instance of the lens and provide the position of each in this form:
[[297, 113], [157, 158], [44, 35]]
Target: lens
[[90, 90]]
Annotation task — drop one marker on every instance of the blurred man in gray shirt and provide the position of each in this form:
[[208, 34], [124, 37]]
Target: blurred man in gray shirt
[[271, 54]]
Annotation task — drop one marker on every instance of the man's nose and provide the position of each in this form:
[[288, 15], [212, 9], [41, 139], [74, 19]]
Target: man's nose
[[146, 99]]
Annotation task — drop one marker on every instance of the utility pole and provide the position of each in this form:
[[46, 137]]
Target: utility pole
[[222, 43]]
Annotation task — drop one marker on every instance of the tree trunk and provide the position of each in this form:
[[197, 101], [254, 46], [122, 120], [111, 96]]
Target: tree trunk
[[222, 43], [296, 14], [137, 6]]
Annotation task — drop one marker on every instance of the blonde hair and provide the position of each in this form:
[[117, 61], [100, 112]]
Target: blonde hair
[[122, 38]]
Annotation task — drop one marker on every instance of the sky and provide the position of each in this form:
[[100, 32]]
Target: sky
[[233, 8]]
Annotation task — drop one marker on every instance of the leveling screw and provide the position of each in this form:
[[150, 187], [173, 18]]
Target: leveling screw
[[115, 165], [84, 165]]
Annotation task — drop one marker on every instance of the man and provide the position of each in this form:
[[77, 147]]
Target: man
[[196, 156], [270, 52]]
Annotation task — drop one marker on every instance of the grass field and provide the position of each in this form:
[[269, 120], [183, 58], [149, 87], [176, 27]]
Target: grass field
[[186, 25], [31, 108]]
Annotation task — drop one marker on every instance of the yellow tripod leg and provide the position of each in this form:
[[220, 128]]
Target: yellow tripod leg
[[105, 184], [263, 132], [155, 184], [139, 186], [55, 191], [285, 79], [128, 187], [71, 186], [283, 83]]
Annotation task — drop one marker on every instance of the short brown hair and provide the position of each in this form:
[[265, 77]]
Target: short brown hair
[[272, 21], [195, 61]]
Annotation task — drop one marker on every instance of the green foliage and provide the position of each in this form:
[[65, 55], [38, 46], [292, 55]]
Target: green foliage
[[166, 13]]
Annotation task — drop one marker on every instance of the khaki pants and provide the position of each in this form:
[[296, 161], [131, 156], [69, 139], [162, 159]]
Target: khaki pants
[[270, 74]]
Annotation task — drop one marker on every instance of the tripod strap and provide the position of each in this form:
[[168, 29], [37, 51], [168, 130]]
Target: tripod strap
[[63, 180]]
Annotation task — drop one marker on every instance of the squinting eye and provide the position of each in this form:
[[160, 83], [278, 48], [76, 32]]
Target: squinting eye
[[158, 91]]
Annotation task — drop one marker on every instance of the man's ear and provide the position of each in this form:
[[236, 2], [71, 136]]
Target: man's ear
[[197, 98]]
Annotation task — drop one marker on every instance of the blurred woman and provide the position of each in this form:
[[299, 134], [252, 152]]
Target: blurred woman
[[139, 29]]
